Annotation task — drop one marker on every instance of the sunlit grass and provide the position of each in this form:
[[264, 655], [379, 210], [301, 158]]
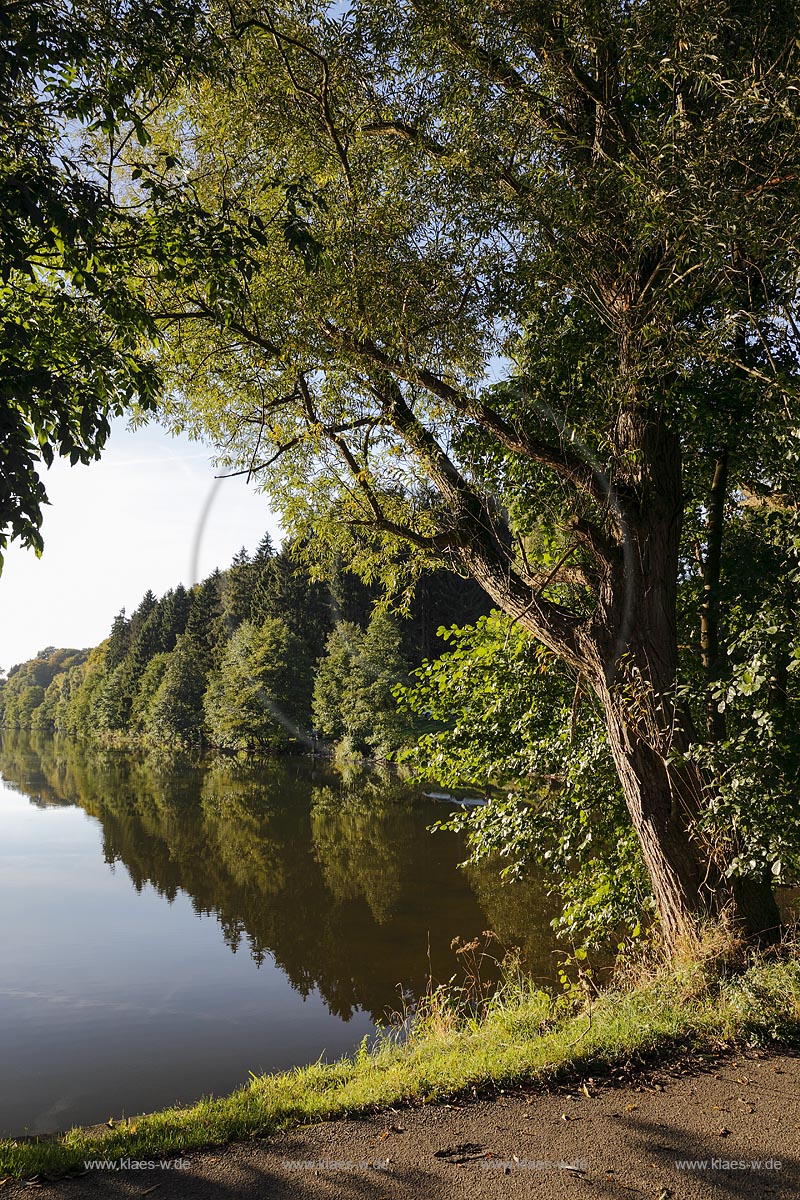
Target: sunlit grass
[[521, 1035]]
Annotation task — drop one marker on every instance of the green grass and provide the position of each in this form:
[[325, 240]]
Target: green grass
[[522, 1036]]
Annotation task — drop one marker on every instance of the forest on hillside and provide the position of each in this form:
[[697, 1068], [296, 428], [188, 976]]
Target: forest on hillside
[[261, 656]]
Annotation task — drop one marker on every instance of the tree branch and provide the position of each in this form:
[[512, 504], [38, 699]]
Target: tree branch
[[565, 464], [379, 519], [475, 537]]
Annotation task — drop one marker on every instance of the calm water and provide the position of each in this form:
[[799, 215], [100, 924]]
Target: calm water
[[169, 926]]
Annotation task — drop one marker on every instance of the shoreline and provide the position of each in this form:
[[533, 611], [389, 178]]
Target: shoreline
[[525, 1039], [688, 1130]]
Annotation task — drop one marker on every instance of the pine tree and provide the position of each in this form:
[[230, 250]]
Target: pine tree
[[142, 612], [119, 640], [353, 697], [175, 714], [174, 614], [259, 694], [332, 682], [237, 590], [205, 625]]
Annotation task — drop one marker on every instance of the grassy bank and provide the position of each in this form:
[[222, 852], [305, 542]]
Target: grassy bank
[[522, 1035]]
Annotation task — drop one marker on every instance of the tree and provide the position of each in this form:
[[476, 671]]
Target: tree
[[374, 718], [148, 688], [284, 588], [114, 697], [86, 683], [175, 608], [119, 640], [175, 713], [354, 687], [205, 625], [237, 590], [259, 696], [141, 615], [28, 697], [332, 681], [441, 599], [595, 204], [76, 337]]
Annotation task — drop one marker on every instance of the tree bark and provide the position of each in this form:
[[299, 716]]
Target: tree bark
[[634, 675], [635, 680], [664, 800], [661, 804]]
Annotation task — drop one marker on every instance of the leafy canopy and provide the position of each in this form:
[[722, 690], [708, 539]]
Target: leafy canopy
[[78, 82], [437, 197]]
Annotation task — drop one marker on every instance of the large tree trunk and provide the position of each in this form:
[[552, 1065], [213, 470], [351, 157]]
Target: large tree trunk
[[634, 675], [628, 652], [661, 806], [663, 800]]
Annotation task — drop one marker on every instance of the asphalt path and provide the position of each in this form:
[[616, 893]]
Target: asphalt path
[[690, 1131]]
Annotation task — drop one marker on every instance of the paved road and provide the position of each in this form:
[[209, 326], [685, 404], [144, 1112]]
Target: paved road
[[737, 1121]]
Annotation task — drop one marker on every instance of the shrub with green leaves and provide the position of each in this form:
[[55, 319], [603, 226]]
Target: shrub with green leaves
[[508, 719]]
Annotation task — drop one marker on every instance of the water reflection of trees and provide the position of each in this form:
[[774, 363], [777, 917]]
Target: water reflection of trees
[[519, 914], [364, 835], [337, 880]]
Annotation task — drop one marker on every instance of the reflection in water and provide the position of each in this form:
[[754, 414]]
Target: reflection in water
[[336, 882]]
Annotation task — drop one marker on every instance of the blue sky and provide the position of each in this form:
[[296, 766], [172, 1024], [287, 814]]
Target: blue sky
[[131, 521]]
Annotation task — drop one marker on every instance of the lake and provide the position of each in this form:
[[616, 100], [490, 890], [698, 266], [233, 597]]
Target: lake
[[170, 924]]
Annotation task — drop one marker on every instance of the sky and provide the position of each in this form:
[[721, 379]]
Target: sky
[[148, 514]]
